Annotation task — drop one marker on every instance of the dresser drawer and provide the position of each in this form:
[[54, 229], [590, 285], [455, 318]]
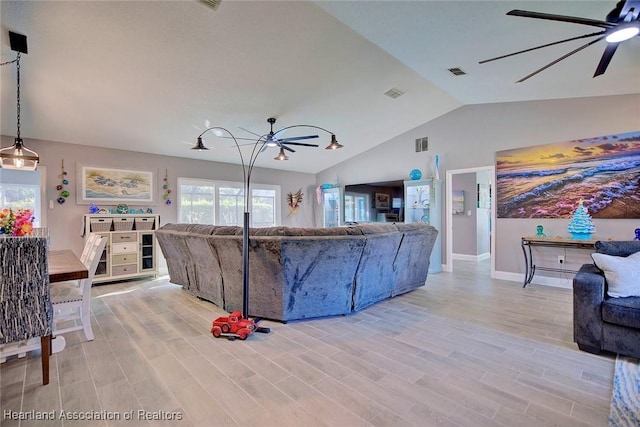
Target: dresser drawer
[[124, 248], [124, 259], [124, 237], [119, 270]]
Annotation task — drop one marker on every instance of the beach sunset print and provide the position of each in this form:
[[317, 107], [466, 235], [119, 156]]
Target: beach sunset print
[[548, 181]]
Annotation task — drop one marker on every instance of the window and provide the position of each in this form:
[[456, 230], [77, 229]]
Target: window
[[222, 203], [356, 207], [22, 189]]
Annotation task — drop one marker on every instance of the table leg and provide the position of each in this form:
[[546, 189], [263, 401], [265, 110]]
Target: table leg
[[529, 267]]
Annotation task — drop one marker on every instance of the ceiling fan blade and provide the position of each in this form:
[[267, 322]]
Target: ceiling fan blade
[[297, 138], [541, 46], [241, 139], [561, 18], [287, 148], [247, 130], [302, 144], [560, 59], [606, 58]]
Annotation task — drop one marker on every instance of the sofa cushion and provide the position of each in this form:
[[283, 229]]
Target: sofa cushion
[[617, 248], [622, 273], [622, 311]]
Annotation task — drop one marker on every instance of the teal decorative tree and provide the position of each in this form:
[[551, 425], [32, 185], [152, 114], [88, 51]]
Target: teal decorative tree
[[581, 226]]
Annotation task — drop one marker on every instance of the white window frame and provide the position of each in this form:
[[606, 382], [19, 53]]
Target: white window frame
[[41, 210], [232, 184]]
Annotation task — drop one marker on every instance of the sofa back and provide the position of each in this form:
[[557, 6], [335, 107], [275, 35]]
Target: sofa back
[[298, 273], [618, 248]]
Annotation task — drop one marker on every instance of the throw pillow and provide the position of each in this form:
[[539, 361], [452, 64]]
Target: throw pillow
[[622, 273]]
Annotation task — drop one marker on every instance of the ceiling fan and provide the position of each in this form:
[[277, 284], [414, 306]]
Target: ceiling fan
[[621, 24], [272, 140]]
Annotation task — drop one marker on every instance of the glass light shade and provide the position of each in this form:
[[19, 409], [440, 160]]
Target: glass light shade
[[18, 157], [623, 32]]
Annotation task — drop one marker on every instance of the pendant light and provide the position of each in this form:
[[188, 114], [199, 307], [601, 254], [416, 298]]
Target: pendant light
[[18, 156]]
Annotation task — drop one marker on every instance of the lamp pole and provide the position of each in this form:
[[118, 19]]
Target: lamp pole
[[247, 169]]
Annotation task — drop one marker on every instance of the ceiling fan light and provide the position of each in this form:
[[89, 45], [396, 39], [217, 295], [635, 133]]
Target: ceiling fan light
[[281, 156], [19, 157], [199, 145], [334, 145], [623, 32]]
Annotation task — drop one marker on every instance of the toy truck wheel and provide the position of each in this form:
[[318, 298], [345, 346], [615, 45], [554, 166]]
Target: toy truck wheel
[[242, 335], [226, 328], [216, 331]]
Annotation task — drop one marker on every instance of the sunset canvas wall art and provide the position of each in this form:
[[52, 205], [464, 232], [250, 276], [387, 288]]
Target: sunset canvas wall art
[[548, 181]]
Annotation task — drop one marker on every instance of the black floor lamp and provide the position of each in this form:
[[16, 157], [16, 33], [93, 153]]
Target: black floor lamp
[[259, 145]]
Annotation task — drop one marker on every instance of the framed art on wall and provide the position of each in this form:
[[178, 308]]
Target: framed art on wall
[[97, 184], [548, 181], [458, 202], [382, 201]]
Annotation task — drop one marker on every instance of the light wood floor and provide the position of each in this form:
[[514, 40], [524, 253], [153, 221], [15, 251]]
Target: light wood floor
[[463, 351]]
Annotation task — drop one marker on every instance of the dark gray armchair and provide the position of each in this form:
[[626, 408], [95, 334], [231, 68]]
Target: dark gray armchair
[[600, 322]]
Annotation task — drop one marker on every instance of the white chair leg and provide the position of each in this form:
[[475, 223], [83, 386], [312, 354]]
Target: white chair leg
[[85, 318]]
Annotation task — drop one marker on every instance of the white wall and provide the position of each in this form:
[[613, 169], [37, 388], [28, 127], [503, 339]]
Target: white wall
[[65, 221], [470, 136]]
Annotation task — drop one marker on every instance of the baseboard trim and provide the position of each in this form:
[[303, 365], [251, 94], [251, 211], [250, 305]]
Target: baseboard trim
[[473, 258], [555, 282]]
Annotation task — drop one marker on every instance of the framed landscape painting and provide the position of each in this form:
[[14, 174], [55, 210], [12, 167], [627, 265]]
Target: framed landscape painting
[[112, 186], [548, 181]]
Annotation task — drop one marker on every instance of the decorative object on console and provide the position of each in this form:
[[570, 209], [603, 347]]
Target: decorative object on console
[[581, 226], [167, 191], [122, 208], [18, 156], [294, 201], [60, 187], [259, 145], [415, 174], [637, 231], [540, 231], [93, 209]]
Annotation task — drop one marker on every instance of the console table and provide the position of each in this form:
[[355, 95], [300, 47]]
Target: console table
[[556, 242]]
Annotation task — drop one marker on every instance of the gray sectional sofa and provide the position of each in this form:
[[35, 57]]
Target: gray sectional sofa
[[299, 273], [601, 322]]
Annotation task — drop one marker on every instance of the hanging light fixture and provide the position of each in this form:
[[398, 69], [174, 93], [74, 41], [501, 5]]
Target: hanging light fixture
[[281, 156], [18, 156], [334, 145]]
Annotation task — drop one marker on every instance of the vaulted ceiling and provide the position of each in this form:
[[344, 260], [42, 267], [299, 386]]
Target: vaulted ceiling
[[150, 76]]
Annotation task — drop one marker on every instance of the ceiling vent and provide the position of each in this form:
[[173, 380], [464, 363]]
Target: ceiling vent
[[213, 4], [422, 144], [457, 71], [394, 93]]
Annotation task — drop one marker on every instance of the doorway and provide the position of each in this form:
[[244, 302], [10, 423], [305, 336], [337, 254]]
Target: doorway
[[470, 203]]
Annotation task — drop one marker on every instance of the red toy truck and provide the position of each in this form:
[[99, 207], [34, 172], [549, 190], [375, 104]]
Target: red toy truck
[[234, 326]]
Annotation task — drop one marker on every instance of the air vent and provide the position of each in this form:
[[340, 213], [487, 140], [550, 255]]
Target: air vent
[[394, 93], [213, 4], [422, 144], [457, 71]]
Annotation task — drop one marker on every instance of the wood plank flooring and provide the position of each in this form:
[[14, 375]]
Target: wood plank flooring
[[465, 350]]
